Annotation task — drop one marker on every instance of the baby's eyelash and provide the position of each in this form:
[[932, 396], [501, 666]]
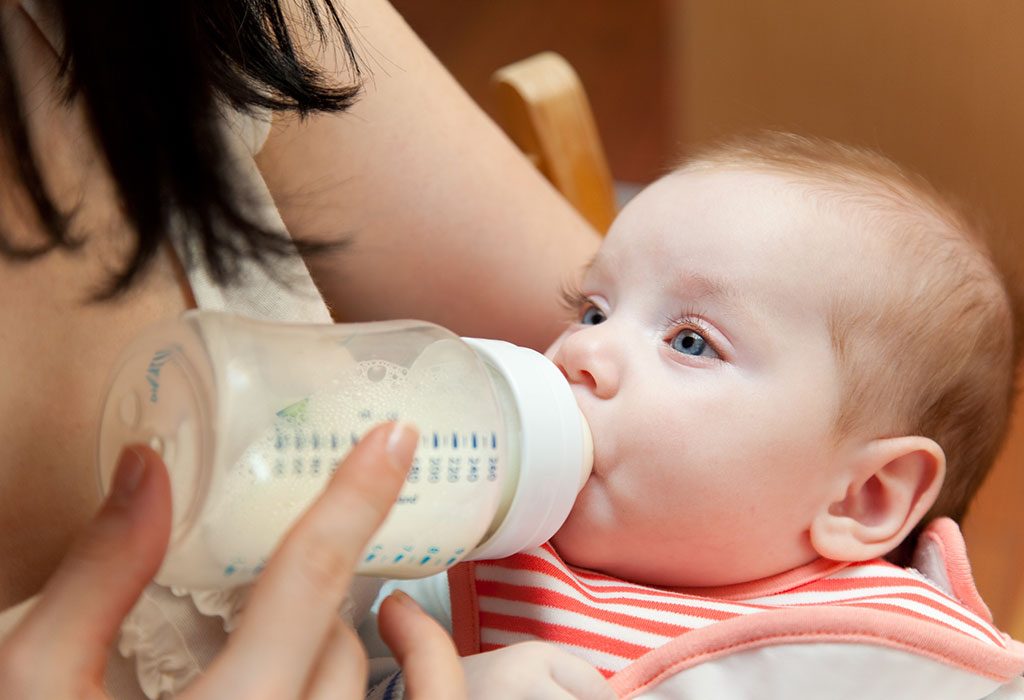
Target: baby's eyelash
[[573, 298], [690, 317]]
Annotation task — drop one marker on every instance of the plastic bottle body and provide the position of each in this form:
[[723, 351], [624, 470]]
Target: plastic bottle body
[[252, 419]]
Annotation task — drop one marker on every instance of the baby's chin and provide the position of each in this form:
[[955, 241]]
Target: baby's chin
[[584, 549], [593, 538], [588, 542], [577, 552], [596, 536], [626, 564]]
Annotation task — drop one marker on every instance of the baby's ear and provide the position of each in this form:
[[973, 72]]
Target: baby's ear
[[890, 485]]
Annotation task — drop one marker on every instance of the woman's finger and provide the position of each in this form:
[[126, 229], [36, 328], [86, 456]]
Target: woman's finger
[[341, 668], [295, 602], [84, 603], [430, 664]]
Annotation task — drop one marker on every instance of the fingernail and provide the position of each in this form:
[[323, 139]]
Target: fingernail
[[401, 445], [405, 599], [130, 469]]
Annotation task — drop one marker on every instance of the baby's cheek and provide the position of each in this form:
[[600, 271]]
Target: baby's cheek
[[586, 512]]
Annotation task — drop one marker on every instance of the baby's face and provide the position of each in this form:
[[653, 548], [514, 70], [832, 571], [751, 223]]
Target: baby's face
[[703, 362]]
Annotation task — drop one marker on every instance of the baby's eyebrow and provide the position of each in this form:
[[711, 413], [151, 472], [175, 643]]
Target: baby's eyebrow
[[700, 286]]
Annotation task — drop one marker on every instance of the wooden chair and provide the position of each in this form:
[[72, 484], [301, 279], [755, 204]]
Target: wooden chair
[[542, 106]]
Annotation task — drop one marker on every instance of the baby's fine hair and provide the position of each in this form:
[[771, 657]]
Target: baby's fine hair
[[925, 346]]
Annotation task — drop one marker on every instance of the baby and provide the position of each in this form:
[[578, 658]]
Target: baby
[[792, 356], [786, 349]]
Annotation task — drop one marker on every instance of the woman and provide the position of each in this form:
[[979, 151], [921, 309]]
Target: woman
[[146, 199]]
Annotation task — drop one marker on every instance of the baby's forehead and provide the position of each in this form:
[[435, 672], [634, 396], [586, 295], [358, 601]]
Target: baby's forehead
[[768, 209], [834, 246], [853, 214]]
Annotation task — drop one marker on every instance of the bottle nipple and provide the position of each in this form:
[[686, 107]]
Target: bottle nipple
[[587, 463]]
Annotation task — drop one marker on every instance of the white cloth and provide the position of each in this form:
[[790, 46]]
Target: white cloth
[[290, 294]]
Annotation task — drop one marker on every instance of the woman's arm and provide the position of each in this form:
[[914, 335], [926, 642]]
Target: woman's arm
[[447, 221]]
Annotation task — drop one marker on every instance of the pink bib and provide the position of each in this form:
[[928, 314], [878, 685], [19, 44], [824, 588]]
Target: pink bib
[[637, 634]]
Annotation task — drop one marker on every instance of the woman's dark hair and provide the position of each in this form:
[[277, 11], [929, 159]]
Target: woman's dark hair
[[154, 75]]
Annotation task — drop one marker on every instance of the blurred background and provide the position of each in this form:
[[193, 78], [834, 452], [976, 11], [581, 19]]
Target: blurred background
[[938, 85]]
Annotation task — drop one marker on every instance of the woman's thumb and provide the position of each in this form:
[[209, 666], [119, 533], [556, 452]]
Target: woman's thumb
[[83, 604]]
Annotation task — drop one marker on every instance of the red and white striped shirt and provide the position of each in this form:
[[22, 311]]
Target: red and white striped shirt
[[611, 623]]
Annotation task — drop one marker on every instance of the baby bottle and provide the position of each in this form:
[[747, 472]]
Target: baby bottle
[[252, 418]]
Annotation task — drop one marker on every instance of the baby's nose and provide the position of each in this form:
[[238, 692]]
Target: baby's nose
[[589, 359]]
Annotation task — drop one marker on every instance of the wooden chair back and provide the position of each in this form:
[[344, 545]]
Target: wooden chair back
[[542, 106]]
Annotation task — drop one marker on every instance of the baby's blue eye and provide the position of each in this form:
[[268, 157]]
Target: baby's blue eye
[[690, 342], [592, 316]]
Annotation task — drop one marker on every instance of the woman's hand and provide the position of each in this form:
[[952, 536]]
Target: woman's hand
[[534, 670], [290, 643]]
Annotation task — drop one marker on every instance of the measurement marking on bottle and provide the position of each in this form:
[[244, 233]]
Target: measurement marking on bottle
[[458, 554], [309, 453], [314, 441]]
